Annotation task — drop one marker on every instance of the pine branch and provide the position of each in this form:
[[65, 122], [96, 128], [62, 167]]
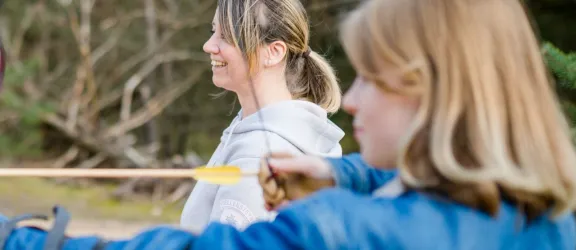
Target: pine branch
[[570, 111], [562, 65]]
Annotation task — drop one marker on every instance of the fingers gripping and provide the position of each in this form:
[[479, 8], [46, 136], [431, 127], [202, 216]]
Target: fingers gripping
[[273, 189], [286, 187]]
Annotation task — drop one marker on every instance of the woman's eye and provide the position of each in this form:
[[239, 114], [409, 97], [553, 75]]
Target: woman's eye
[[214, 32]]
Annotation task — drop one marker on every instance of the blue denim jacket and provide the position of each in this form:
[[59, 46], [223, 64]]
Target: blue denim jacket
[[353, 217]]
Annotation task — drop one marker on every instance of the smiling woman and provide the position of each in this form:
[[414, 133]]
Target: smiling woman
[[264, 58]]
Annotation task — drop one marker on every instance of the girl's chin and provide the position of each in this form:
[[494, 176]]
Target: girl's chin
[[376, 159]]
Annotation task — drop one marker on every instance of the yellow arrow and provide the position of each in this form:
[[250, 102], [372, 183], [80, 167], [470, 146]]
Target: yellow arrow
[[226, 175]]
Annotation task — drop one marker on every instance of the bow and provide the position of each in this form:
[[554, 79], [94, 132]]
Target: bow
[[266, 140]]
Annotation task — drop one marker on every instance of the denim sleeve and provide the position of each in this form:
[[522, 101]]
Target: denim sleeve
[[284, 233], [29, 237], [35, 238], [325, 221], [351, 172], [293, 228], [305, 224], [290, 230]]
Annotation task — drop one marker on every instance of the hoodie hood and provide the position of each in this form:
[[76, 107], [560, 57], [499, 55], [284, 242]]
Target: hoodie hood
[[304, 124]]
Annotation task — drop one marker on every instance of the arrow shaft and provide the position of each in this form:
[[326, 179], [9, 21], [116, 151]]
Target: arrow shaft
[[108, 173]]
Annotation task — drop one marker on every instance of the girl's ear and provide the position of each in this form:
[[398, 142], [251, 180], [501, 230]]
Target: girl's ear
[[276, 52]]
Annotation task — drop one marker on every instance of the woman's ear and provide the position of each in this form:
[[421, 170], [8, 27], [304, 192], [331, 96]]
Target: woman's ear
[[276, 52]]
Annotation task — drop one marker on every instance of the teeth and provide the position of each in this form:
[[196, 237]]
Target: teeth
[[218, 63]]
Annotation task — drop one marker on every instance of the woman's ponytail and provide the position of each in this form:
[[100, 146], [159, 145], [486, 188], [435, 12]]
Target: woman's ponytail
[[315, 81]]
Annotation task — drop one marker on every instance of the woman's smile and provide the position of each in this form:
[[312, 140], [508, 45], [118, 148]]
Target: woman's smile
[[218, 64]]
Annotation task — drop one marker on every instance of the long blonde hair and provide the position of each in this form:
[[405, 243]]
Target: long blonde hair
[[250, 24], [489, 126]]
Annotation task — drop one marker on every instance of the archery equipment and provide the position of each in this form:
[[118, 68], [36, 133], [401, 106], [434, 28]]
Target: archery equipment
[[224, 175], [288, 186], [278, 188], [266, 140]]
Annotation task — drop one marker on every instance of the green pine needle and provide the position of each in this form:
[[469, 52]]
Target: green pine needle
[[562, 65], [570, 111]]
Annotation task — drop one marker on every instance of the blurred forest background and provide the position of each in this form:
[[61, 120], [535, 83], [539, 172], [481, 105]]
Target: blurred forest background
[[125, 83]]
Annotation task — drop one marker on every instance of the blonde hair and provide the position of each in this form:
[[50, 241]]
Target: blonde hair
[[489, 126], [250, 24]]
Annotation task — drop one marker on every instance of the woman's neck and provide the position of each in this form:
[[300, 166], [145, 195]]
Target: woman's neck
[[268, 90]]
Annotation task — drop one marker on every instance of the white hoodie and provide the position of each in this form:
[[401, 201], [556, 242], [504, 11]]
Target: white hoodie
[[291, 126]]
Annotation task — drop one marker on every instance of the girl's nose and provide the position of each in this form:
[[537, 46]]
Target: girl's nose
[[349, 101], [348, 105]]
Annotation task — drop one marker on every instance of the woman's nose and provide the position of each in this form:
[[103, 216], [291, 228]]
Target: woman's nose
[[210, 46]]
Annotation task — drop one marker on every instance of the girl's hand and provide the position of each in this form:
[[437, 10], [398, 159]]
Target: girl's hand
[[296, 177]]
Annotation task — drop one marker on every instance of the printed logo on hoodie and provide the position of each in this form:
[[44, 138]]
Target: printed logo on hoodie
[[235, 213]]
